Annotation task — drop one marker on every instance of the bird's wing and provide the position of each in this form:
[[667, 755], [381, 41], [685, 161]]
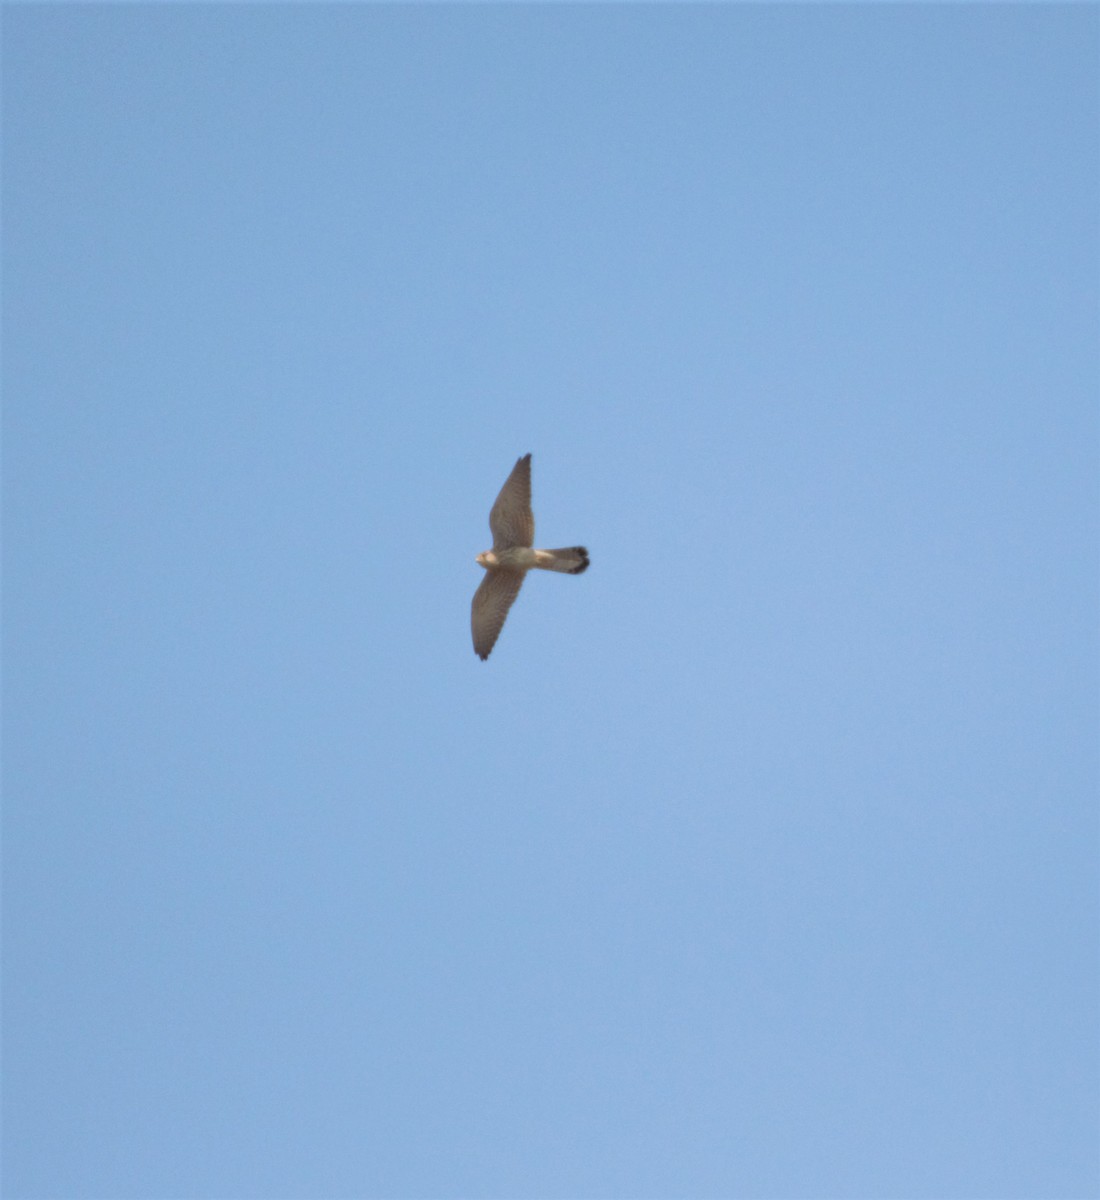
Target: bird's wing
[[492, 600], [511, 520]]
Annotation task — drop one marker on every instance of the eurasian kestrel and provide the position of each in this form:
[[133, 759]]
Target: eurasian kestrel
[[513, 526]]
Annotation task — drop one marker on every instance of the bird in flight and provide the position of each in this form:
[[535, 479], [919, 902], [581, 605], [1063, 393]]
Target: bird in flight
[[513, 527]]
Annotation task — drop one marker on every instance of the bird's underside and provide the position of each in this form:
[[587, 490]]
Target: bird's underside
[[512, 524]]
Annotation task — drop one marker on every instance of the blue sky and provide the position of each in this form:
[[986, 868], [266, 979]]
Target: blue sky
[[758, 862]]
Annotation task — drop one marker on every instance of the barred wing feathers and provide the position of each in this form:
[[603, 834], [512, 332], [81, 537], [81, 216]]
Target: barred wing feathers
[[492, 600], [511, 520]]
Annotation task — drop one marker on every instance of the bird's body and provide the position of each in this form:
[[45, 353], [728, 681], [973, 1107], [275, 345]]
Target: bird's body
[[506, 565], [515, 558], [571, 561]]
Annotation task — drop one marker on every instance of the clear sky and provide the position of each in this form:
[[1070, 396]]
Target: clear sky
[[758, 862]]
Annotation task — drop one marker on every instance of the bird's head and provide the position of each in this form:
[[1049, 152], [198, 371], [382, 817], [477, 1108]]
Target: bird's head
[[486, 559]]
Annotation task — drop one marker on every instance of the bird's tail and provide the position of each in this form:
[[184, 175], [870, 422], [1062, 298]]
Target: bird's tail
[[572, 560]]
